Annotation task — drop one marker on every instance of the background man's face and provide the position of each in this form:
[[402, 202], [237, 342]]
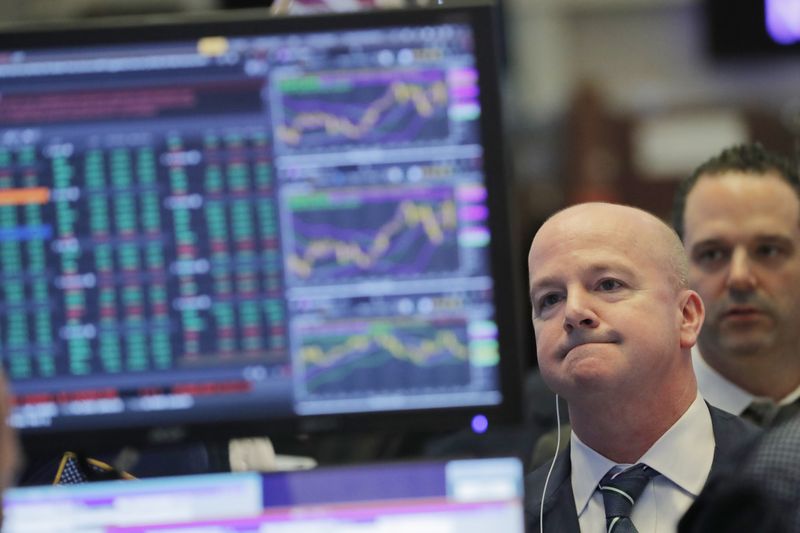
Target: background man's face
[[742, 234]]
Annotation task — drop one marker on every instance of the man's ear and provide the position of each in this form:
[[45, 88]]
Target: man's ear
[[692, 314]]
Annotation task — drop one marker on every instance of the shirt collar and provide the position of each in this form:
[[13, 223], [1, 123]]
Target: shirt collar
[[723, 393], [588, 468], [689, 471], [685, 452], [791, 397], [717, 389]]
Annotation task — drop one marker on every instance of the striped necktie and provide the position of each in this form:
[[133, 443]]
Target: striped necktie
[[620, 492]]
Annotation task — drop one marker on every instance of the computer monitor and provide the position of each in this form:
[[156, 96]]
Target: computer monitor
[[97, 507], [752, 30], [476, 495], [253, 225]]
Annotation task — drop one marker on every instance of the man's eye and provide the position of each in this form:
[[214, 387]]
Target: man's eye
[[768, 250], [609, 285], [710, 255], [548, 300]]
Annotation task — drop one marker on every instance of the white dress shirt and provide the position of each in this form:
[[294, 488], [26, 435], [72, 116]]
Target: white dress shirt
[[682, 456], [723, 393]]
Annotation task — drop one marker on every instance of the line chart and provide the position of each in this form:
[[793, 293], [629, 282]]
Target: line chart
[[347, 235], [328, 110], [382, 355]]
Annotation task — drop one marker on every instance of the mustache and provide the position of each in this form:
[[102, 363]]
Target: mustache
[[730, 301], [579, 338]]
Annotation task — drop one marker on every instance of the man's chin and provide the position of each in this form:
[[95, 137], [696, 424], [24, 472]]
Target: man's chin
[[588, 368], [578, 376], [746, 345]]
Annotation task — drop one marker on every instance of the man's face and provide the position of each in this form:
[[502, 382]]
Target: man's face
[[606, 312], [742, 233]]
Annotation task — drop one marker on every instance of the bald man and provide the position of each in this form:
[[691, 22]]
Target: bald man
[[615, 322]]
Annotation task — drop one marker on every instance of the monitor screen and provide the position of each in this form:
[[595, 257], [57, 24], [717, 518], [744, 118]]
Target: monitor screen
[[468, 496], [261, 223], [752, 29]]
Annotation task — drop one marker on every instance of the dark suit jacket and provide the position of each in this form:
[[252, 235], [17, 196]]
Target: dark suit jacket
[[560, 515], [762, 492]]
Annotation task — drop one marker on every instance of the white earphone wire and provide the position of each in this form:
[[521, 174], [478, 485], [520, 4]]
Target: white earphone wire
[[552, 464]]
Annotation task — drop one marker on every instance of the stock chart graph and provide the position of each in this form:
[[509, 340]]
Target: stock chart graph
[[382, 356], [346, 234], [330, 110]]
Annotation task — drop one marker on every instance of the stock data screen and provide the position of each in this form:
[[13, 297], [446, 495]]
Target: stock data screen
[[245, 226]]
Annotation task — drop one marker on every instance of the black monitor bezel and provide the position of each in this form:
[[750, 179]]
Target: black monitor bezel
[[481, 17], [736, 31]]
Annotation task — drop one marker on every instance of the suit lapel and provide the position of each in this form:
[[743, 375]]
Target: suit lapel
[[732, 435], [560, 515]]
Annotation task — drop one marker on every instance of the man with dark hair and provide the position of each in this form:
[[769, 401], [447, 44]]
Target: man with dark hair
[[614, 322], [738, 215], [752, 159]]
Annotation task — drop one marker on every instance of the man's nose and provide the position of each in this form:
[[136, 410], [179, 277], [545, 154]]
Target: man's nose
[[740, 273], [578, 312]]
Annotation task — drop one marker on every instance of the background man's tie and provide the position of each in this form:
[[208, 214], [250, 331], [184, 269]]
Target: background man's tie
[[767, 413], [761, 412], [620, 492]]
